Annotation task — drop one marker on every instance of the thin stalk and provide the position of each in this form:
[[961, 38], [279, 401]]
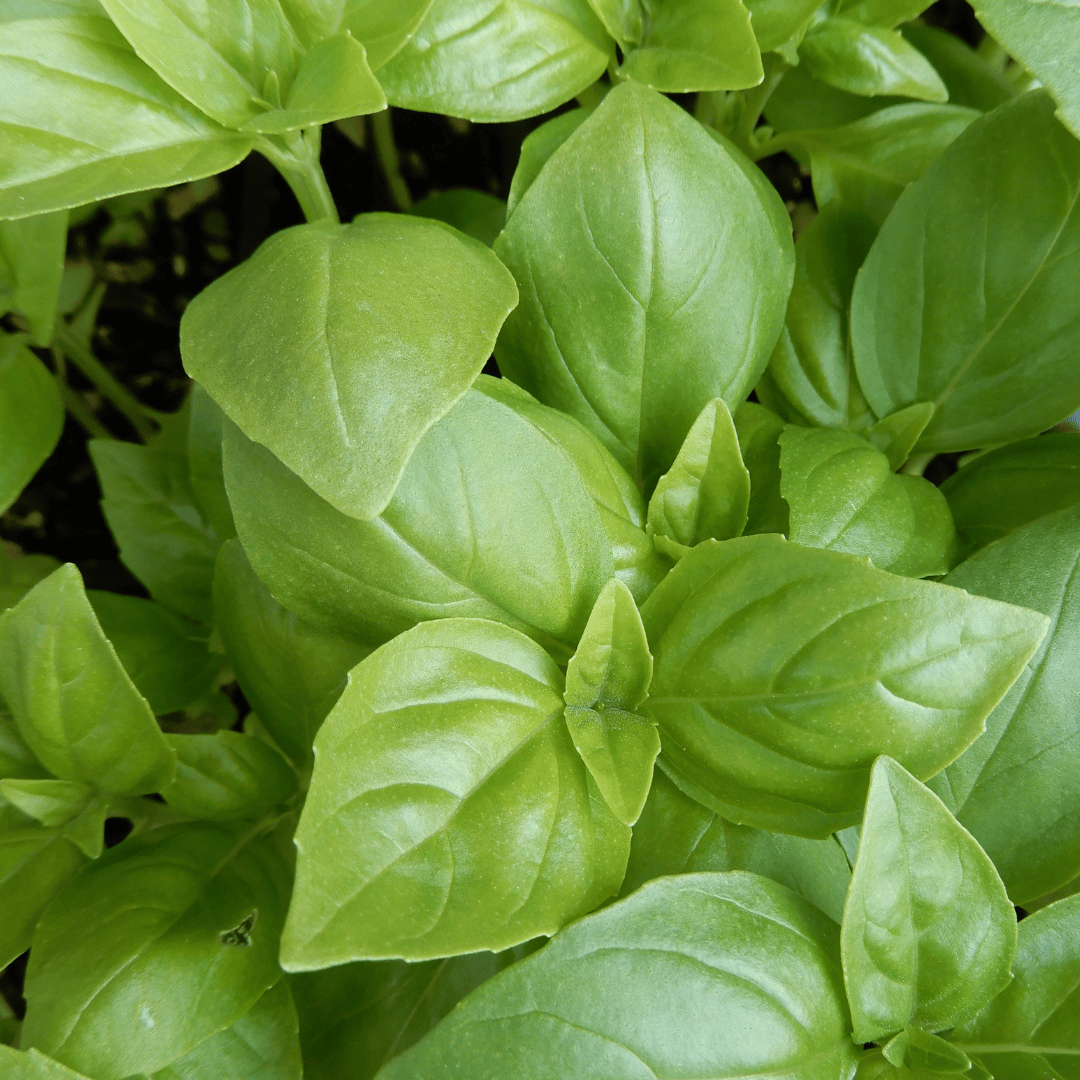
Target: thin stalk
[[756, 100], [74, 404], [107, 385], [296, 156], [389, 162], [916, 465]]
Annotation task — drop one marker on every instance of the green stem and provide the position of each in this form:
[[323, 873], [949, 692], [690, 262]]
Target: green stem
[[103, 379], [916, 466], [389, 162], [756, 100], [296, 156]]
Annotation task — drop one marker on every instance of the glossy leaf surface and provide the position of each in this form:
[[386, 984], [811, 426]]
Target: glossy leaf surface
[[972, 80], [928, 931], [782, 672], [475, 213], [538, 146], [759, 443], [642, 302], [369, 332], [776, 22], [31, 1065], [384, 26], [701, 975], [999, 368], [31, 267]]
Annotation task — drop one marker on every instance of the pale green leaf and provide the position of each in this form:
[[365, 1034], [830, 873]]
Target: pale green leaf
[[759, 443], [384, 26], [917, 1049], [776, 22], [475, 213], [895, 435], [19, 574], [538, 146], [30, 1065], [31, 268]]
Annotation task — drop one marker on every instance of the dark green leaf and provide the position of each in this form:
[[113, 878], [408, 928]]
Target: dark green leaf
[[19, 574], [31, 268], [475, 213], [759, 443], [204, 463], [895, 435], [970, 79], [75, 809], [803, 103]]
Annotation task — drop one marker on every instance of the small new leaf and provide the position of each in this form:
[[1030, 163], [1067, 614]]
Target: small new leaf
[[895, 435], [918, 1049]]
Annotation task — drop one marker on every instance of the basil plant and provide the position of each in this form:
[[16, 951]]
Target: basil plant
[[698, 697]]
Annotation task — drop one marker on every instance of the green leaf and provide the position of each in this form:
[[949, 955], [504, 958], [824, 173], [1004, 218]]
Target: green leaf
[[776, 22], [810, 370], [498, 60], [803, 103], [869, 60], [253, 65], [227, 775], [165, 655], [1013, 485], [31, 268], [1009, 788], [538, 146], [355, 1017], [607, 681], [694, 45], [16, 758], [19, 574], [624, 20], [928, 934], [759, 443], [30, 1065], [338, 346], [919, 1050], [290, 672], [475, 213], [1001, 368], [264, 1044], [68, 137], [448, 809], [677, 835], [186, 921], [384, 26], [844, 497], [706, 492], [1045, 38], [204, 463], [73, 808], [31, 417], [896, 435], [633, 318], [970, 79], [782, 672], [887, 13], [470, 532], [701, 975], [1030, 1029], [74, 704]]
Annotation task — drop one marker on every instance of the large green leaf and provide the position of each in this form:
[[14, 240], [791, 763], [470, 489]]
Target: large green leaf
[[18, 575], [717, 975], [1014, 788], [498, 60], [86, 118], [782, 672], [538, 146], [677, 835], [490, 520], [31, 267], [776, 22], [642, 301], [31, 417], [384, 26], [843, 496], [971, 80], [475, 213], [1030, 1029], [965, 299], [72, 700], [803, 103], [185, 936], [255, 65], [448, 810], [30, 1065], [928, 932], [1005, 489], [1045, 38], [338, 346], [886, 13], [290, 672], [205, 425]]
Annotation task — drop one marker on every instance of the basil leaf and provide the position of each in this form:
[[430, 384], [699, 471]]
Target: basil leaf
[[253, 66], [1007, 789], [498, 60], [68, 139], [1012, 486], [396, 857], [869, 60], [31, 417], [30, 1065], [759, 443], [810, 375], [844, 497], [384, 26], [624, 20], [370, 332], [1044, 39], [31, 268], [1030, 1028], [538, 146], [781, 672], [694, 45], [1002, 368], [475, 213], [186, 921], [16, 758], [290, 671], [75, 809], [700, 975], [776, 22], [928, 935], [677, 835], [205, 474], [970, 79], [71, 699], [264, 1044], [919, 1050], [469, 532], [803, 103], [887, 13], [895, 435], [18, 575], [706, 492], [607, 680], [166, 656], [355, 1017]]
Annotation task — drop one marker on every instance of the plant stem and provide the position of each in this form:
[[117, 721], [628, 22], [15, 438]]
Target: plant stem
[[916, 466], [296, 156], [84, 359], [74, 404], [389, 162], [756, 100]]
